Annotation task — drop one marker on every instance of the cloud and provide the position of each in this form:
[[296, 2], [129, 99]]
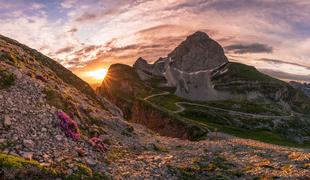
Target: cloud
[[118, 31], [65, 50], [73, 30], [249, 48], [277, 61], [66, 4], [285, 75]]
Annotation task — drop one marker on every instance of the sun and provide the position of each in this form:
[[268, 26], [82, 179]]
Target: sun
[[98, 74]]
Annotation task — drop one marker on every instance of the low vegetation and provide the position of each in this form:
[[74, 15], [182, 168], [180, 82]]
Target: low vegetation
[[7, 78], [238, 71], [222, 121], [17, 167], [218, 167]]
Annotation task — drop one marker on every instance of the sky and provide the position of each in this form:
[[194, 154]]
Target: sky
[[87, 36]]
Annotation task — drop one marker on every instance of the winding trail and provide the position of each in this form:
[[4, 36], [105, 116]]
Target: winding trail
[[154, 95], [182, 108]]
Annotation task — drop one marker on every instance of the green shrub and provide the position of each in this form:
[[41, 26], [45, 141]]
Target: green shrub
[[159, 148], [55, 99], [7, 78], [19, 168]]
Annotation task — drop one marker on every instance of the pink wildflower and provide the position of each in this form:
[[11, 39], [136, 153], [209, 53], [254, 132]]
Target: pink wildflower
[[97, 142], [69, 126]]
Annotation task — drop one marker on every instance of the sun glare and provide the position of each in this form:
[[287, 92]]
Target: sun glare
[[97, 74]]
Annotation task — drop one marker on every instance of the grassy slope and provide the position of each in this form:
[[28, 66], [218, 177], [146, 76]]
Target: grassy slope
[[238, 71], [166, 103], [219, 121]]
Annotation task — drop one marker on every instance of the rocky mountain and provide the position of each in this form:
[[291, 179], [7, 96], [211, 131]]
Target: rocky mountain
[[197, 82], [198, 53], [305, 87], [54, 126], [200, 71]]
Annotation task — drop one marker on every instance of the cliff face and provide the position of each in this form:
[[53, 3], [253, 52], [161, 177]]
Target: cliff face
[[188, 68], [163, 123]]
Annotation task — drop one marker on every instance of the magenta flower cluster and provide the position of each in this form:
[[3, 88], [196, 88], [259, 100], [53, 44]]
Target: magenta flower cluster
[[97, 142], [69, 126]]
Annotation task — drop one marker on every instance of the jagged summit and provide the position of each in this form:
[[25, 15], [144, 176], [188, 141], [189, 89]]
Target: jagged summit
[[198, 52], [198, 35]]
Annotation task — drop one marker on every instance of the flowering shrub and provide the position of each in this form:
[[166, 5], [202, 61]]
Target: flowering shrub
[[97, 142], [69, 126]]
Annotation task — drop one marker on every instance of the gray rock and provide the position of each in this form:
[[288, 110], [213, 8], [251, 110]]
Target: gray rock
[[198, 52], [90, 161], [18, 74], [28, 143], [28, 155], [2, 141], [7, 121], [59, 137]]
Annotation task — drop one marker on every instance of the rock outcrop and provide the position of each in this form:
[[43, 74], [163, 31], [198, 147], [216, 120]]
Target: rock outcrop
[[163, 123], [147, 71], [198, 53], [188, 68]]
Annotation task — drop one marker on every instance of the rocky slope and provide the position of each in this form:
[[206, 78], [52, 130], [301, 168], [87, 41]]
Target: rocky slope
[[51, 116]]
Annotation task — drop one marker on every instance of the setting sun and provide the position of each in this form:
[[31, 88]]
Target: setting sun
[[98, 74]]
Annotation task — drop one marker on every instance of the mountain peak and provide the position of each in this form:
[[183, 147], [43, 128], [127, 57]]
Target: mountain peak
[[198, 35], [198, 52]]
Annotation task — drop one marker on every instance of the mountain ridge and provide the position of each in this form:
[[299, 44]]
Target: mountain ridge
[[235, 86]]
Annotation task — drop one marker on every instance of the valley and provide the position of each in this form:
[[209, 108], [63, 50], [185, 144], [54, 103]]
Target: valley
[[244, 102]]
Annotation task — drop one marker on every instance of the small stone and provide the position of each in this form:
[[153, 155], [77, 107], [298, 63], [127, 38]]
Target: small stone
[[2, 141], [9, 101], [18, 74], [46, 156], [7, 121], [28, 143], [58, 137], [90, 161], [45, 164], [43, 129], [69, 171], [28, 155]]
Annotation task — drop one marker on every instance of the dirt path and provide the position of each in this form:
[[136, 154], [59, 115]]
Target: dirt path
[[182, 108], [154, 95]]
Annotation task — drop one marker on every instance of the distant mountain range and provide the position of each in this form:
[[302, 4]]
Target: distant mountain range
[[197, 85], [305, 87]]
